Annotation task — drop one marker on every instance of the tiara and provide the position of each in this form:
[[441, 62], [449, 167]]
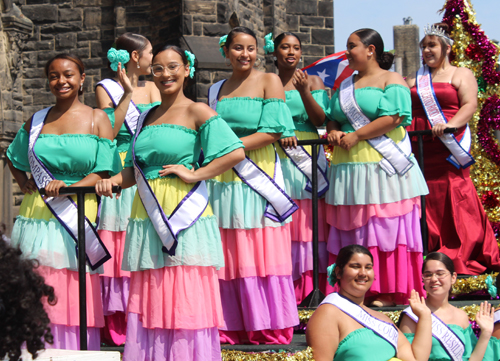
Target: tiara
[[437, 31]]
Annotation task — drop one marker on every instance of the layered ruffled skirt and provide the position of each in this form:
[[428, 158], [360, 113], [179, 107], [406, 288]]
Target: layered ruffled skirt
[[174, 307], [115, 282], [40, 235], [256, 282], [365, 206], [301, 226]]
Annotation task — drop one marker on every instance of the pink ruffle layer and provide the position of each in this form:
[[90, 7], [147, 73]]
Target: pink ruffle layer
[[68, 338], [264, 337], [301, 224], [304, 285], [397, 273], [384, 233], [350, 217], [66, 311], [115, 243], [258, 303], [144, 344], [181, 297], [257, 252]]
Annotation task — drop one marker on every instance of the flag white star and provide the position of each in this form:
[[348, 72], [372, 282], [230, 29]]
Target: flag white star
[[323, 75]]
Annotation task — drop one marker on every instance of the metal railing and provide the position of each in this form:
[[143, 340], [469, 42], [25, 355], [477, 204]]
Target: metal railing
[[314, 298], [82, 257]]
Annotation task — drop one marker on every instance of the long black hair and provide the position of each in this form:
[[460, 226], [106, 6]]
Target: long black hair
[[372, 37]]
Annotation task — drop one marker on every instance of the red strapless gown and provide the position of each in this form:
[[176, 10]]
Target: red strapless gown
[[458, 225]]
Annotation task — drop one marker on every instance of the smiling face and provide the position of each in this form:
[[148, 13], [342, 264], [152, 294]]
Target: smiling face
[[437, 278], [357, 53], [242, 52], [357, 275], [288, 52], [64, 78], [171, 79], [433, 52]]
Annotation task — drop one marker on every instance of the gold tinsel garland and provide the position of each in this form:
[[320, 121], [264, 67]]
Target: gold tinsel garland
[[472, 284], [485, 174], [471, 311], [306, 355]]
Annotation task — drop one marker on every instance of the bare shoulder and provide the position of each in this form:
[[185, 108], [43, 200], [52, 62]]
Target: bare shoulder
[[200, 112], [269, 77], [100, 117], [461, 317], [316, 83], [411, 79], [461, 71], [392, 77]]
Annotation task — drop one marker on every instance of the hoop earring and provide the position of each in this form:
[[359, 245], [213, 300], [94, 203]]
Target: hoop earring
[[257, 63], [275, 58], [81, 87], [227, 62]]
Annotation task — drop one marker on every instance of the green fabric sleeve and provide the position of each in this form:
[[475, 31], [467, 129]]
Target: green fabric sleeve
[[396, 100], [276, 118], [217, 139], [18, 151], [108, 158]]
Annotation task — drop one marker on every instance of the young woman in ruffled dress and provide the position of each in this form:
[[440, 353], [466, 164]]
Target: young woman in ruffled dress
[[174, 309], [75, 145], [307, 100], [256, 283], [130, 59], [366, 204]]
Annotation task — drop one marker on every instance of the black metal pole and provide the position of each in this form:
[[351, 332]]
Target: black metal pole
[[82, 257], [82, 282], [314, 298]]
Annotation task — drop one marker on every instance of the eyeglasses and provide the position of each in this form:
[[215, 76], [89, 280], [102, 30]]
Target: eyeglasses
[[159, 70], [439, 275]]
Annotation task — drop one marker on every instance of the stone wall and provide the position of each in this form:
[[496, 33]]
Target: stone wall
[[88, 28], [406, 46]]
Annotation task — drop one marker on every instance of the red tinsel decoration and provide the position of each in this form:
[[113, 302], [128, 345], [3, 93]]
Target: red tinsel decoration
[[490, 199], [489, 119], [456, 7], [474, 52]]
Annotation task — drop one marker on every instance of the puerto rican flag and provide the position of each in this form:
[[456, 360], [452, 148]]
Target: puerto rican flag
[[332, 69]]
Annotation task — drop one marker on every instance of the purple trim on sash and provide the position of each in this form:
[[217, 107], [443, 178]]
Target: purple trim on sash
[[410, 315], [115, 104], [217, 97], [456, 164], [108, 255], [273, 217], [365, 325], [308, 187]]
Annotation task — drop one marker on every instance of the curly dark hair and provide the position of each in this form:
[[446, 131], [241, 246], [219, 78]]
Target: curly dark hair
[[22, 314]]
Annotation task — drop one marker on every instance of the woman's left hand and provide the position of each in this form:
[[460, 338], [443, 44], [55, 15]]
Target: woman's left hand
[[349, 140], [52, 189], [418, 305], [290, 142], [485, 318], [187, 175], [438, 129], [301, 80]]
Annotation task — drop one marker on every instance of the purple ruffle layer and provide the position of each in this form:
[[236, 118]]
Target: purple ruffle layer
[[114, 294], [170, 345], [258, 303], [302, 258]]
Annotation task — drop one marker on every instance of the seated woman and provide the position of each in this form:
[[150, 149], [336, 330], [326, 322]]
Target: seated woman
[[452, 335], [342, 322]]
